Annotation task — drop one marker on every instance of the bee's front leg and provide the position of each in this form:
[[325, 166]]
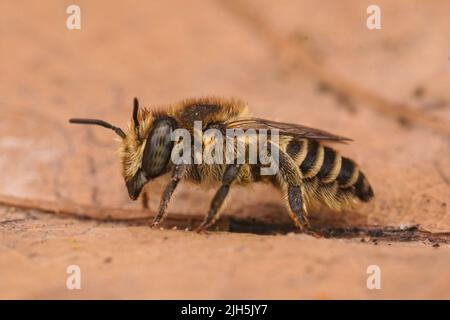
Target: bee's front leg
[[145, 200], [230, 174], [177, 175]]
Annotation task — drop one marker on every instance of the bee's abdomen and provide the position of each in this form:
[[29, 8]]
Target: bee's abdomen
[[331, 166], [335, 173], [350, 178], [312, 163], [362, 188]]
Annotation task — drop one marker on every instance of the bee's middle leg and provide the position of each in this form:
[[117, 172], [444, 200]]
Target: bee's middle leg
[[230, 174]]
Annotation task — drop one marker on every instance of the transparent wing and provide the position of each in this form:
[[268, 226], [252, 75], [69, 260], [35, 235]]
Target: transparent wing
[[288, 129]]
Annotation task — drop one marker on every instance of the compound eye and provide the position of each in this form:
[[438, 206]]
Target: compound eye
[[157, 149]]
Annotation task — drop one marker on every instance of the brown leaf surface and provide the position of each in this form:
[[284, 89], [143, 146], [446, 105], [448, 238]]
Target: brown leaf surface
[[313, 63]]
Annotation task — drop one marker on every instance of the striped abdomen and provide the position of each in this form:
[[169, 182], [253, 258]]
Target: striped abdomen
[[335, 180]]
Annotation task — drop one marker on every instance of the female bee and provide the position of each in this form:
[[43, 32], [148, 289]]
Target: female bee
[[310, 173]]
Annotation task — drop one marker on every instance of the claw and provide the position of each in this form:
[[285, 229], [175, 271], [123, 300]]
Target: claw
[[300, 223], [202, 228], [154, 225]]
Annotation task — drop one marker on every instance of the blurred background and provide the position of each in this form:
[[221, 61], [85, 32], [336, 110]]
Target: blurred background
[[309, 62]]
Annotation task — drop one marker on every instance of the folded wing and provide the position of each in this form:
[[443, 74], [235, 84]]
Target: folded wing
[[287, 129]]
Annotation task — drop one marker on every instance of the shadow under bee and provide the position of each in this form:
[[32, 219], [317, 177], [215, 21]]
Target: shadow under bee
[[270, 221], [264, 219]]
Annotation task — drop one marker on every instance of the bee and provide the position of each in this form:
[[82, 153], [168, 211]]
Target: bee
[[310, 174]]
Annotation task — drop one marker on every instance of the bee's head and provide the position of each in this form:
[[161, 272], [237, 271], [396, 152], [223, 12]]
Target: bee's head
[[145, 149]]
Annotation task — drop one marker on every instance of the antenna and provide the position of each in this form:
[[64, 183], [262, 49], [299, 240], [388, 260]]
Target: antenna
[[99, 123], [135, 113]]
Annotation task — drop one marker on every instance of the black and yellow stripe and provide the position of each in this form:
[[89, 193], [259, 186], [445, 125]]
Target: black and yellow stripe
[[331, 166], [297, 149], [312, 163], [327, 173]]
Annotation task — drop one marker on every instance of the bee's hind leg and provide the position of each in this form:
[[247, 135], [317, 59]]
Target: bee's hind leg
[[230, 174], [289, 180], [296, 206]]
